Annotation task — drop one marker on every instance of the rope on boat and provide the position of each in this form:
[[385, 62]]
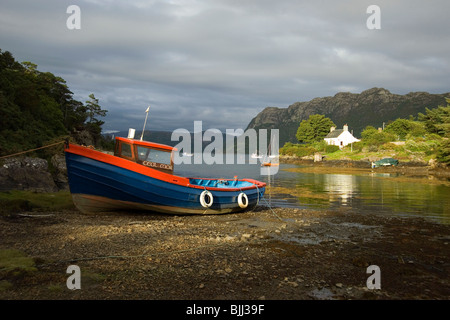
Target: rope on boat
[[272, 210], [274, 213], [257, 189]]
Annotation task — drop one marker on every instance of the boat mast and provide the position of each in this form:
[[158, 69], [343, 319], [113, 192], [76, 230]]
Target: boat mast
[[146, 111]]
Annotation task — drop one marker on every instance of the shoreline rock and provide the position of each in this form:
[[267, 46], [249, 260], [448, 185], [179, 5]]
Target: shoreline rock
[[418, 168], [33, 174]]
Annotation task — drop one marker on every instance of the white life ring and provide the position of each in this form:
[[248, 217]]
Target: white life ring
[[206, 199], [243, 200]]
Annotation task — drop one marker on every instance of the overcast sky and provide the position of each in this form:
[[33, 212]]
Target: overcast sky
[[223, 61]]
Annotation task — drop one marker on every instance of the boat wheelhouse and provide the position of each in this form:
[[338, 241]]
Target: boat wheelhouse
[[153, 155]]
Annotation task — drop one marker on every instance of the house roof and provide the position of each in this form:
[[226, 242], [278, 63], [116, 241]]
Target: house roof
[[335, 133]]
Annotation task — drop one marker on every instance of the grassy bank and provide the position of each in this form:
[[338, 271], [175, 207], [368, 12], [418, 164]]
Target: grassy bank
[[16, 201], [424, 149], [416, 150]]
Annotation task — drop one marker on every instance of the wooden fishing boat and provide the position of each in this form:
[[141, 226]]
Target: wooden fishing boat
[[139, 176]]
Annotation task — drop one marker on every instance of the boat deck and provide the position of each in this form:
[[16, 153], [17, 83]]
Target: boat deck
[[220, 183]]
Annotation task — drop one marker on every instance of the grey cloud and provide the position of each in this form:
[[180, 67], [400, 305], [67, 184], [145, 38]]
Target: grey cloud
[[223, 61]]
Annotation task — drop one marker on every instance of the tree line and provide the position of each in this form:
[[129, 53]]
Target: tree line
[[38, 107]]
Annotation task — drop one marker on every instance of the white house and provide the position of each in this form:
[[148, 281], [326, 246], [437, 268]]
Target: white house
[[340, 137]]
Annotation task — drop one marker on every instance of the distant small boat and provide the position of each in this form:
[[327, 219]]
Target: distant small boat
[[256, 155], [385, 162], [270, 164], [139, 176], [270, 156]]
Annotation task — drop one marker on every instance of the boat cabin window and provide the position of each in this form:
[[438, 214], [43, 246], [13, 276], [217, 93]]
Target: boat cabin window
[[154, 158], [124, 150], [154, 155]]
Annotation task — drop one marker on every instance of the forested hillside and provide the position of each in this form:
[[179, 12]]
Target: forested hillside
[[37, 108]]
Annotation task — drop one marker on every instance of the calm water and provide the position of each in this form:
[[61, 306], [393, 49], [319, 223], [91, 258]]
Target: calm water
[[362, 192]]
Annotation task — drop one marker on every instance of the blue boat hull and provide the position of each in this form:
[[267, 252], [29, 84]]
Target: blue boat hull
[[97, 186]]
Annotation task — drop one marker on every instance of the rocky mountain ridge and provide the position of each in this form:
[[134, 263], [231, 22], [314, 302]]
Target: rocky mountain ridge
[[374, 107]]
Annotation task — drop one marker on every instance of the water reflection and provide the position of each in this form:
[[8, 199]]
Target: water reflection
[[361, 192], [374, 192], [340, 187], [369, 192]]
